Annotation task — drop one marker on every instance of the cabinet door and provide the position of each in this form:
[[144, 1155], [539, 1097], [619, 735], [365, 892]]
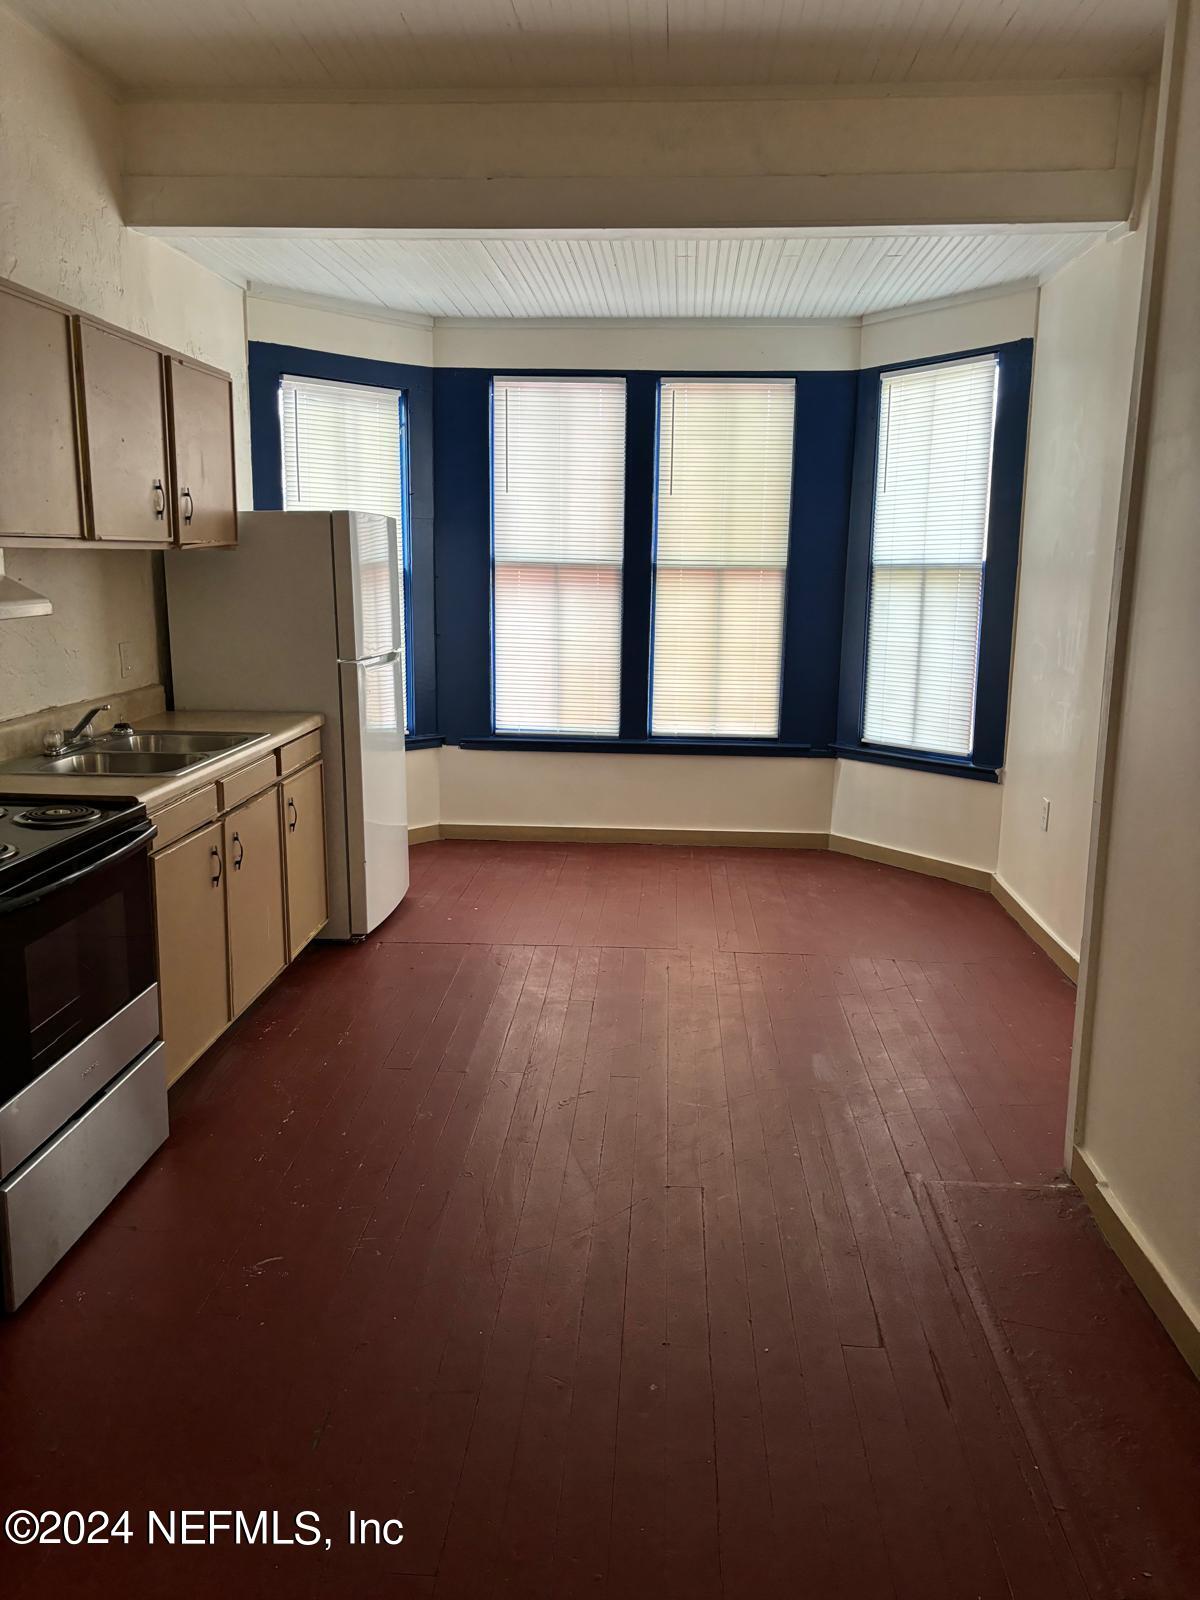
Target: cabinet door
[[40, 490], [304, 842], [257, 948], [202, 440], [126, 453], [193, 967]]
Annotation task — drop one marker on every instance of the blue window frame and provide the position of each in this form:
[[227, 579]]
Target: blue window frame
[[268, 364], [999, 571], [828, 570]]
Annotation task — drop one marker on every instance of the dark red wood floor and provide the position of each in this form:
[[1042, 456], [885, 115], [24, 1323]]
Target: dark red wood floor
[[627, 1221]]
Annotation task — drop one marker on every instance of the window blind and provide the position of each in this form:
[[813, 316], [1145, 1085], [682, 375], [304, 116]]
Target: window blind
[[928, 552], [558, 498], [343, 449], [722, 513]]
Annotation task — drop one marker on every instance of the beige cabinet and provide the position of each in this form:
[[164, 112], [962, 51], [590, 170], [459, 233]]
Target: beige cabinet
[[105, 435], [254, 897], [239, 889], [193, 968], [201, 427], [41, 492], [125, 436], [304, 854]]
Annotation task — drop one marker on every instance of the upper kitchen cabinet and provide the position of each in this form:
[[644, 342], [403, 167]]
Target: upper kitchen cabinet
[[105, 435], [201, 412], [41, 492], [125, 436]]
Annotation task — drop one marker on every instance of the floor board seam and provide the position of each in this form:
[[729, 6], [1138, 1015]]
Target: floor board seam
[[945, 1230]]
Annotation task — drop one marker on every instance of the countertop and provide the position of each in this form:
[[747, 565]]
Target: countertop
[[155, 790]]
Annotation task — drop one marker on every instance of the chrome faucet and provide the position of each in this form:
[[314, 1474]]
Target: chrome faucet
[[58, 743]]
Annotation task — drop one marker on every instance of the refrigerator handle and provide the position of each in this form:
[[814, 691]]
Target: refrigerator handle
[[369, 661]]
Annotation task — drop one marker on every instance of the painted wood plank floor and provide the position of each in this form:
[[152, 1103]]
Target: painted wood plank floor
[[580, 1218]]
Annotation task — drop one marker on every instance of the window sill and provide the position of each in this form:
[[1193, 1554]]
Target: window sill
[[645, 747], [914, 761], [422, 741]]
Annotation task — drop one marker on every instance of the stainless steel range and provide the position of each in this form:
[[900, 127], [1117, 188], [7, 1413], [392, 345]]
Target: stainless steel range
[[83, 1099]]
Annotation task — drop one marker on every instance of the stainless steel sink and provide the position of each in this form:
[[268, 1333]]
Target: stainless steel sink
[[182, 744], [114, 763], [127, 755]]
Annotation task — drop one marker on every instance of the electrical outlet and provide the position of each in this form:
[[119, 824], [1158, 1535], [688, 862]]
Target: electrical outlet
[[1045, 814], [125, 652]]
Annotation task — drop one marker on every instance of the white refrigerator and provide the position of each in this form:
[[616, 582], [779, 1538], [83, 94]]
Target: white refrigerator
[[307, 614]]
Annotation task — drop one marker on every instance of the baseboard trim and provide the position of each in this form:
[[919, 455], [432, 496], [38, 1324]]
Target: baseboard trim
[[1156, 1287], [1037, 930], [424, 834], [911, 861], [740, 838]]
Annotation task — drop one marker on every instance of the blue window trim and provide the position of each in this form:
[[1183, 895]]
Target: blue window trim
[[827, 584], [406, 556], [268, 364], [1015, 362], [821, 481]]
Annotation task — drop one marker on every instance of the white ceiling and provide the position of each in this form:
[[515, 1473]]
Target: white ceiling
[[728, 275], [233, 46]]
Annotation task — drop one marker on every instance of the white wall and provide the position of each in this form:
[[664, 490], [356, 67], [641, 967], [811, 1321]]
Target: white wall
[[723, 793], [1138, 1050], [923, 813], [102, 599], [684, 345], [422, 772], [61, 233], [315, 327], [1081, 389], [967, 323]]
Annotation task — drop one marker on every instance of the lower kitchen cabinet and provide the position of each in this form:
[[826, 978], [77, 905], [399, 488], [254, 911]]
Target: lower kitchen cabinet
[[193, 964], [240, 889], [304, 853], [254, 897]]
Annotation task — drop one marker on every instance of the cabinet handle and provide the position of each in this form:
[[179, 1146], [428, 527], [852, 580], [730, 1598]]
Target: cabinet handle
[[191, 506], [216, 855], [237, 860], [160, 499], [295, 815]]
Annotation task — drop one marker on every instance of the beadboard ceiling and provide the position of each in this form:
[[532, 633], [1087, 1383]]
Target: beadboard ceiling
[[232, 46], [727, 275]]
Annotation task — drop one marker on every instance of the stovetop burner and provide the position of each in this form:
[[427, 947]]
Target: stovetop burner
[[62, 815], [45, 834]]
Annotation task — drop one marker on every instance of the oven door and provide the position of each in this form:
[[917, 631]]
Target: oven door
[[76, 956]]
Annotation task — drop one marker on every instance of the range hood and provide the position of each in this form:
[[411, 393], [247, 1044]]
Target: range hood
[[18, 599]]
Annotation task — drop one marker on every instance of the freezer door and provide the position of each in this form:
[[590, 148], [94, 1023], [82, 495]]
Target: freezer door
[[376, 803], [368, 569]]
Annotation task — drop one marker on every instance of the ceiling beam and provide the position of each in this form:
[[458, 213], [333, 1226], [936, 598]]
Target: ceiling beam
[[939, 155]]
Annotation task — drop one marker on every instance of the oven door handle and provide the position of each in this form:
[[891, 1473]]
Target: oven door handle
[[127, 848]]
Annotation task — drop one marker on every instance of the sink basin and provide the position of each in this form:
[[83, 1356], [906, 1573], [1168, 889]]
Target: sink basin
[[128, 755], [182, 744], [114, 764]]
